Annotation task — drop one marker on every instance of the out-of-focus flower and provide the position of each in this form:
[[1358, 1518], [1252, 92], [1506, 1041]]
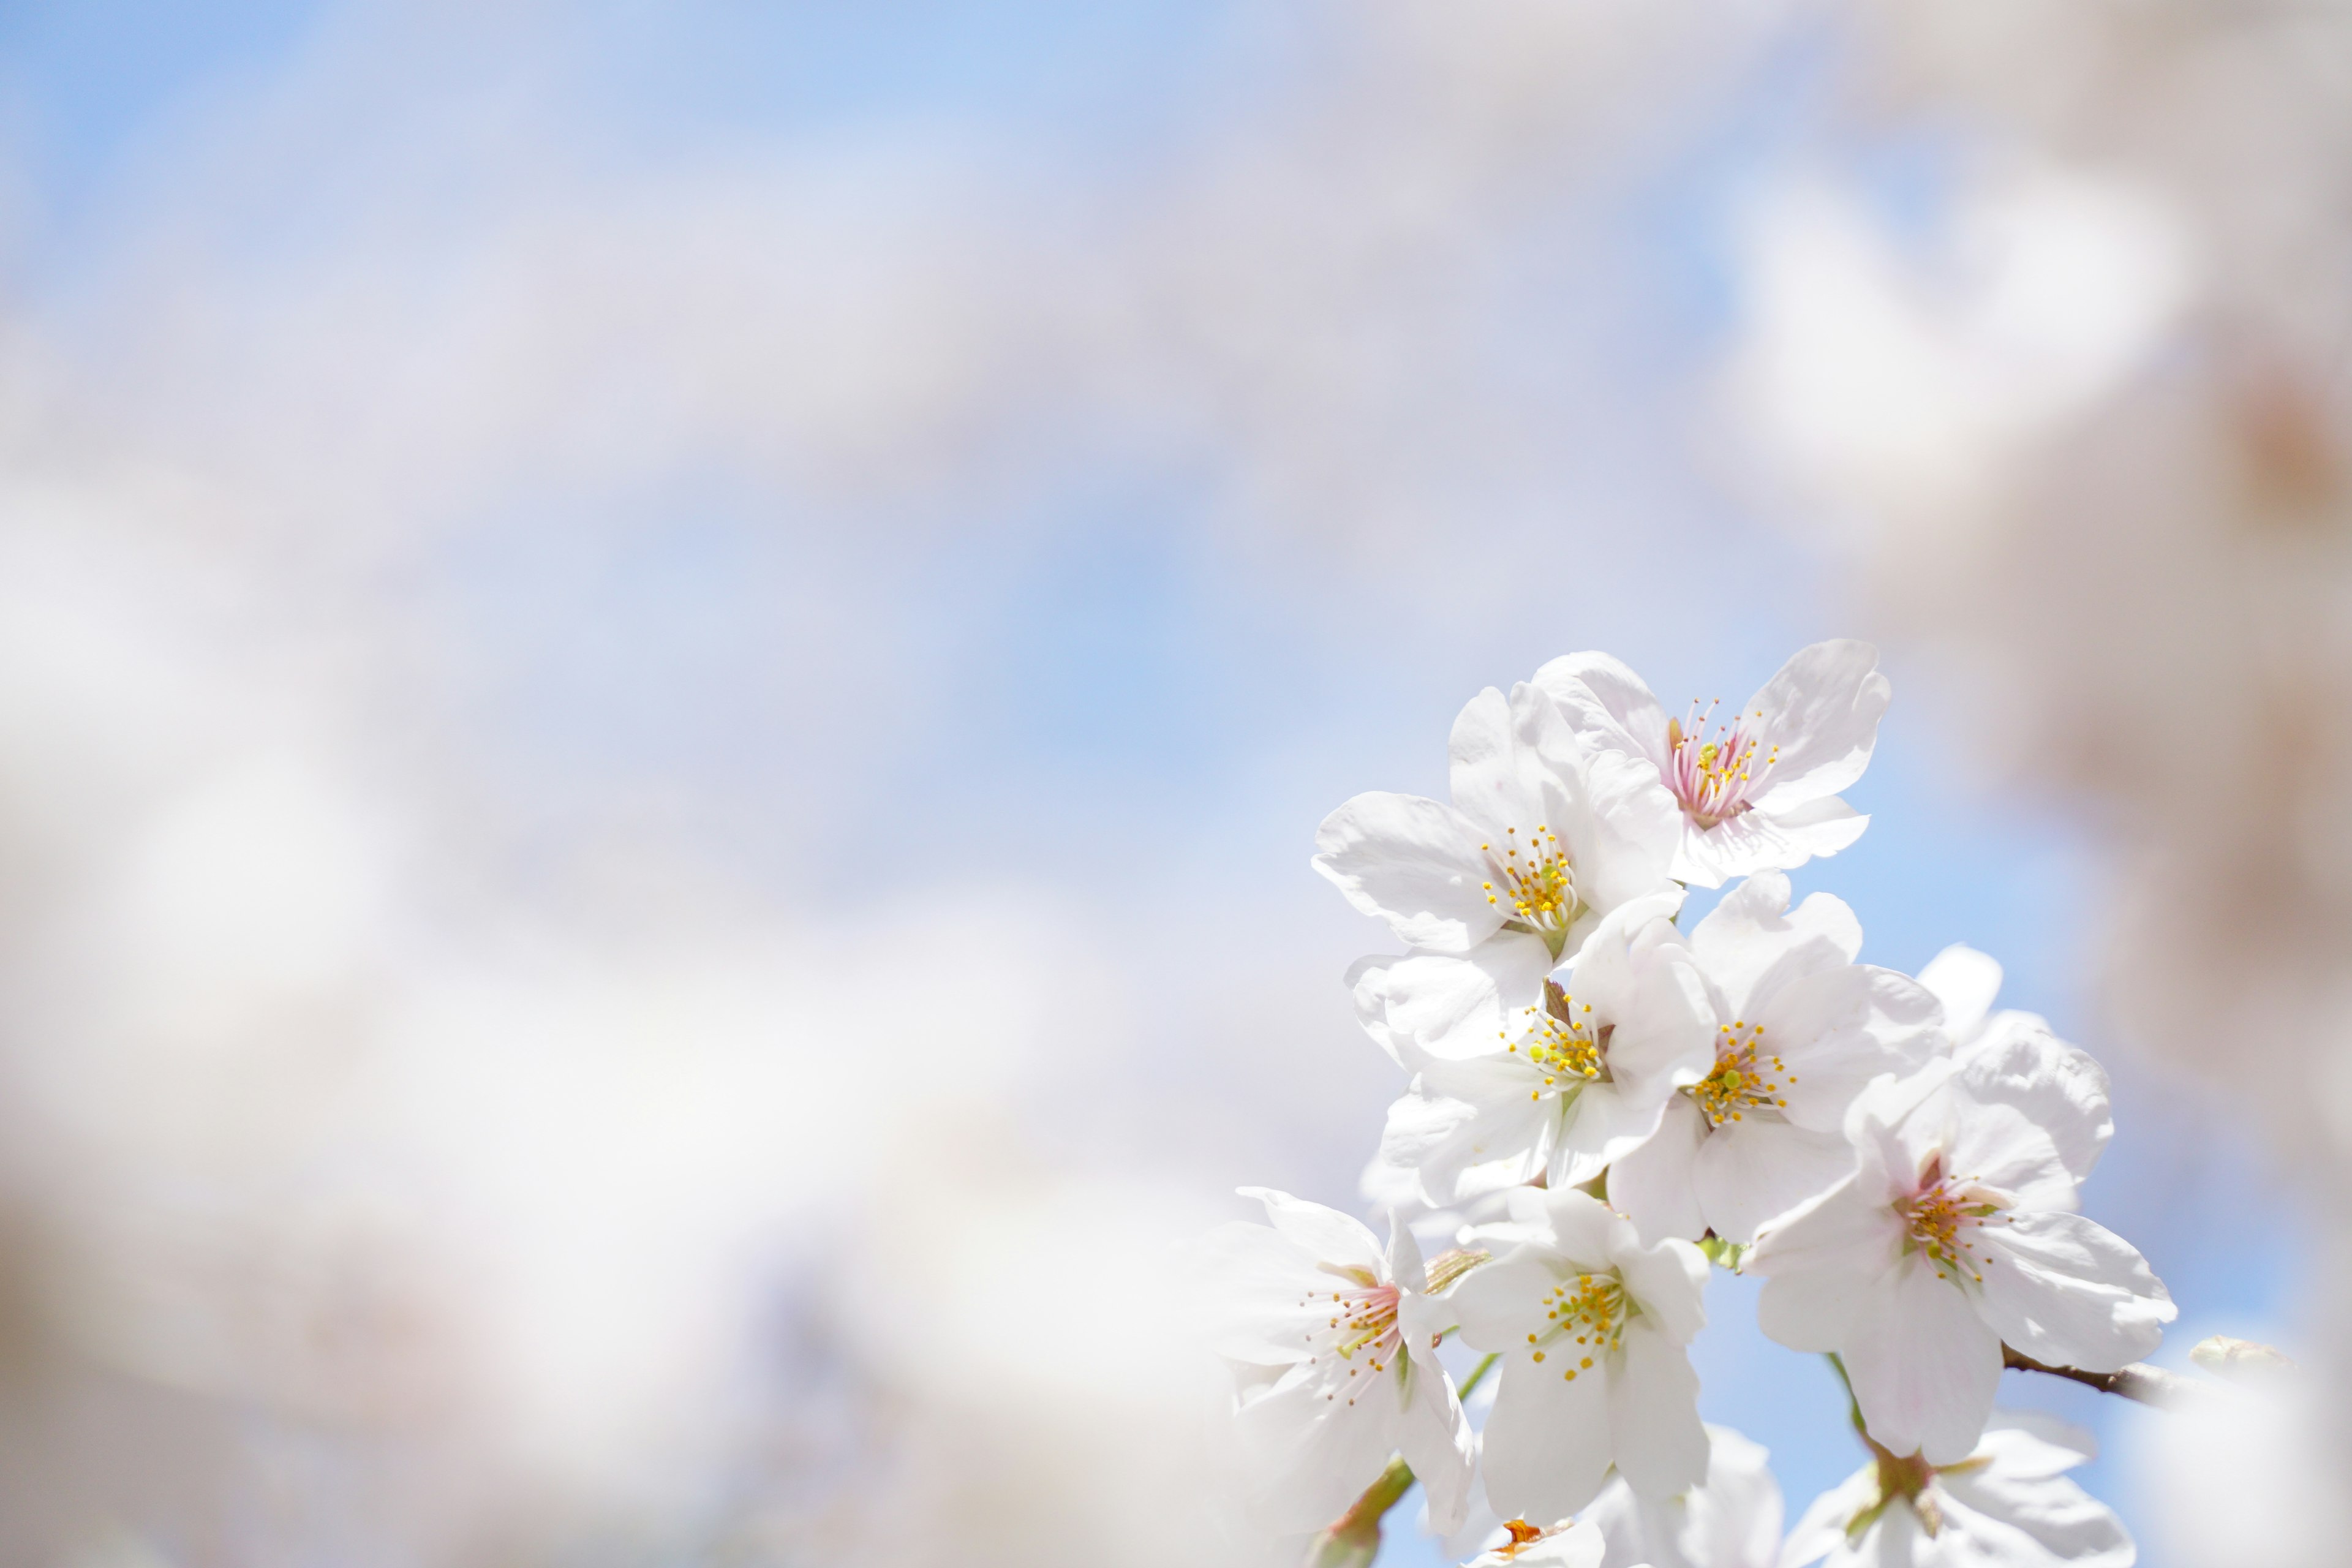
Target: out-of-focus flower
[[1355, 1334], [1593, 1325], [1575, 1083], [1802, 1029], [1732, 1519], [1759, 790], [2008, 1504], [1540, 843], [1955, 1233], [1571, 1544]]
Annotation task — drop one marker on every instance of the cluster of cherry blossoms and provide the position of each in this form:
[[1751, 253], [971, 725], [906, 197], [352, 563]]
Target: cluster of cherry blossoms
[[1603, 1103]]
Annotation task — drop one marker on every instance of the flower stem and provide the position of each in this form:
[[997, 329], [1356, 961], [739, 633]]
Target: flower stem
[[1853, 1405], [1354, 1539], [1478, 1373]]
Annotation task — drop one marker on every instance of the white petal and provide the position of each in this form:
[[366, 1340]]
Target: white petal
[[1966, 981], [2018, 1061], [1752, 942], [1739, 846], [1822, 1527], [1253, 1287], [1669, 1280], [1751, 1172], [1500, 780], [1323, 1234], [2025, 1445], [2002, 1147], [1618, 1518], [1925, 1366], [1605, 1123], [1817, 828], [1822, 1265], [2070, 1292], [1654, 1185], [1584, 1229], [1312, 1451], [1734, 1518], [1472, 1128], [1820, 714], [1547, 1446], [1568, 1544], [1607, 704], [2052, 1521], [1403, 1264], [1661, 1449], [1662, 1023], [1413, 863], [1500, 1303], [1439, 1005], [1834, 1030], [1436, 1442]]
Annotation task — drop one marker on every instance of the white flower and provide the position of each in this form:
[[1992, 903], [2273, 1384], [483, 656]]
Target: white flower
[[1570, 1083], [2008, 1504], [1800, 1030], [1355, 1334], [1760, 791], [1955, 1233], [1571, 1544], [1592, 1325], [1730, 1521], [1541, 842], [2014, 1056]]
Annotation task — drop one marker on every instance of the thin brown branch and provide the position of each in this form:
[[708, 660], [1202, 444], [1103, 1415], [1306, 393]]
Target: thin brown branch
[[2147, 1384]]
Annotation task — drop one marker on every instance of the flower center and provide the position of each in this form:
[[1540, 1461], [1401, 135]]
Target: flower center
[[1361, 1319], [1942, 1214], [1713, 768], [1563, 1043], [1591, 1311], [1746, 1077], [1538, 879]]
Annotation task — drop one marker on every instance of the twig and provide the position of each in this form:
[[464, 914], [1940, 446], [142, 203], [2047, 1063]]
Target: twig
[[2147, 1384]]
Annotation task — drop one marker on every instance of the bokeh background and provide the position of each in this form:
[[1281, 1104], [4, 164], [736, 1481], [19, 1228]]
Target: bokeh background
[[665, 672]]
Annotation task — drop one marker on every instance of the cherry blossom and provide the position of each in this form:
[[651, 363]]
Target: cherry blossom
[[1955, 1233], [2012, 1056], [1593, 1326], [1570, 1083], [1349, 1335], [1732, 1519], [1758, 790], [1543, 839], [1571, 1544], [1801, 1029], [2009, 1504]]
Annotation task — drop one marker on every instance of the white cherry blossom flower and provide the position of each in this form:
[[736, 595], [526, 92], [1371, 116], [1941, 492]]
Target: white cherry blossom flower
[[2014, 1056], [1353, 1331], [1571, 1083], [2008, 1504], [1571, 1544], [1593, 1327], [1800, 1030], [1757, 791], [1955, 1233], [1543, 839], [1732, 1519]]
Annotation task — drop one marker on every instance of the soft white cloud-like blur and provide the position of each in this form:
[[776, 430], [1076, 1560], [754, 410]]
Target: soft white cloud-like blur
[[2091, 441]]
